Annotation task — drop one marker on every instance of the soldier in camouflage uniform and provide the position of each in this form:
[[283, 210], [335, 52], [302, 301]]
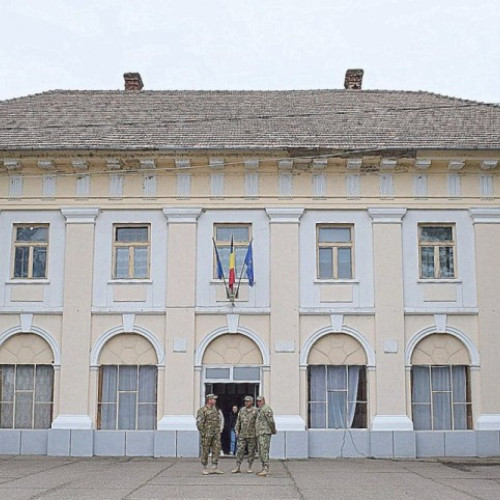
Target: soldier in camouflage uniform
[[208, 423], [264, 427], [245, 432]]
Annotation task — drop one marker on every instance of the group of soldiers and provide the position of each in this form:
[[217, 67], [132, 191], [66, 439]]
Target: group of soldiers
[[254, 427]]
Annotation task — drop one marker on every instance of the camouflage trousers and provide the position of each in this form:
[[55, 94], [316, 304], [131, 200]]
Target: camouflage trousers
[[264, 443], [210, 443], [242, 444]]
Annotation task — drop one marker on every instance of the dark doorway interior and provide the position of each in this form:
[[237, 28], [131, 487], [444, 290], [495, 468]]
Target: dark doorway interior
[[229, 395]]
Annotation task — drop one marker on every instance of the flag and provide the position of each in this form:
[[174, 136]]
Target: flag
[[249, 265], [220, 271], [232, 259]]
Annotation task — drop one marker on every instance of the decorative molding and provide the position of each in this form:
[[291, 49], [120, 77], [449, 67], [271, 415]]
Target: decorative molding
[[320, 163], [183, 185], [48, 186], [128, 321], [485, 215], [73, 422], [149, 185], [182, 215], [101, 342], [440, 320], [420, 185], [114, 164], [82, 185], [387, 215], [327, 330], [182, 163], [319, 185], [251, 184], [46, 164], [486, 186], [12, 164], [251, 164], [386, 164], [200, 350], [80, 215], [217, 184], [15, 186], [284, 215], [392, 423], [352, 185], [284, 346], [455, 165], [454, 185], [337, 322], [286, 165], [216, 163], [390, 346], [488, 422], [386, 186], [465, 339], [26, 321], [148, 164], [180, 344], [232, 322], [422, 164], [354, 163], [285, 184], [489, 164], [177, 423], [116, 185], [80, 164]]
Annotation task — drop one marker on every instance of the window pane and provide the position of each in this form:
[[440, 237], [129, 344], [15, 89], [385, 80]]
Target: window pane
[[109, 381], [121, 264], [127, 378], [446, 266], [459, 417], [317, 383], [420, 387], [43, 383], [24, 377], [21, 257], [146, 417], [334, 234], [337, 406], [126, 410], [147, 384], [441, 378], [436, 233], [217, 373], [26, 233], [337, 378], [39, 262], [427, 262], [344, 264], [108, 416], [7, 381], [317, 415], [422, 417], [240, 233], [24, 410], [325, 263], [246, 373], [441, 409], [459, 384], [141, 262], [6, 415], [43, 416], [132, 234]]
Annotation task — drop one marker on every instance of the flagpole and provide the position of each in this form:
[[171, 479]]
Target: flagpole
[[241, 273], [228, 295]]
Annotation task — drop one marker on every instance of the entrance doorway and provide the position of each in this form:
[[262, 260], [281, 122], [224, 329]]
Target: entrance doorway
[[229, 395]]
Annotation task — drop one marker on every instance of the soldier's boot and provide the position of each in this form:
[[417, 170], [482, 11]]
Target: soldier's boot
[[215, 470], [205, 472], [250, 471], [264, 472], [236, 470]]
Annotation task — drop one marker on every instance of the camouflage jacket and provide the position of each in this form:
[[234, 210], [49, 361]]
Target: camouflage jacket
[[208, 420], [265, 421], [245, 424]]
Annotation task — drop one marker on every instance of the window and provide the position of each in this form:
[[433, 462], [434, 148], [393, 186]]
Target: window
[[241, 238], [335, 249], [337, 396], [26, 396], [440, 397], [131, 252], [437, 251], [127, 397], [30, 251]]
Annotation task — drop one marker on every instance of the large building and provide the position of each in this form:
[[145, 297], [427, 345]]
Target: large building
[[372, 326]]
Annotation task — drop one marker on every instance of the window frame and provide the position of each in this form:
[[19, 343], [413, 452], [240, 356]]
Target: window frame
[[31, 246], [226, 243], [335, 247], [131, 246], [436, 246]]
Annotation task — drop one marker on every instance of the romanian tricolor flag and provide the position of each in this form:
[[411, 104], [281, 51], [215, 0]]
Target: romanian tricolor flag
[[232, 262]]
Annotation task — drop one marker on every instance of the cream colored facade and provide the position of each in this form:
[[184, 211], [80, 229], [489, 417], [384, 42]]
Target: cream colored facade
[[385, 318]]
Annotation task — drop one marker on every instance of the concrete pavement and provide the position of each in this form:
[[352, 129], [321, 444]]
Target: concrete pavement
[[30, 477]]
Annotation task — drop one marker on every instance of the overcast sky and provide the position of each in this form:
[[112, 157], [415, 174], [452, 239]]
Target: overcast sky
[[450, 47]]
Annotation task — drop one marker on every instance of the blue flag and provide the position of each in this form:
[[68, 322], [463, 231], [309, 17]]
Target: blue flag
[[220, 271], [249, 265]]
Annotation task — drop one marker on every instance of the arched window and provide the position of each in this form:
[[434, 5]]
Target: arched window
[[26, 383], [128, 380], [337, 385], [440, 384]]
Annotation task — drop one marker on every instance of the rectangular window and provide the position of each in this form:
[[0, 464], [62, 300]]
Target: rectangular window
[[335, 252], [437, 251], [131, 252], [31, 243], [26, 396], [127, 397], [440, 397], [241, 234], [337, 397]]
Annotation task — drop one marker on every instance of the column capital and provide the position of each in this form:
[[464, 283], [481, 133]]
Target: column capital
[[284, 215], [183, 215], [485, 215], [387, 215], [80, 215]]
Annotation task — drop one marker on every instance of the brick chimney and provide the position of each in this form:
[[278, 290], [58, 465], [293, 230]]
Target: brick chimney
[[133, 81], [353, 79]]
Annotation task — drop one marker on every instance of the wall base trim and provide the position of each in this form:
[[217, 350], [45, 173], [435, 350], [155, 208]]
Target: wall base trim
[[177, 423], [392, 423], [488, 422], [289, 423], [73, 422]]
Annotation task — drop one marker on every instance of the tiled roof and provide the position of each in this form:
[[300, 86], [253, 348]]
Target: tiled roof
[[338, 119]]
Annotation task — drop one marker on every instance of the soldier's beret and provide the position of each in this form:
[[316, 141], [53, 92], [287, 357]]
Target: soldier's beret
[[211, 396], [249, 398], [260, 398]]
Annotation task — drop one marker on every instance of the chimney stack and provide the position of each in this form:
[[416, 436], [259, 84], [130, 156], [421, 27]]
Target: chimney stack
[[133, 81], [353, 79]]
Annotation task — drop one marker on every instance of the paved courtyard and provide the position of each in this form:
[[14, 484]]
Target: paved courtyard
[[28, 477]]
